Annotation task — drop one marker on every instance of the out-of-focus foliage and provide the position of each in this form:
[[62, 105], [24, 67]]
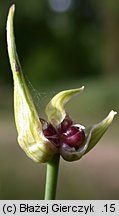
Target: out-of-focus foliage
[[55, 41]]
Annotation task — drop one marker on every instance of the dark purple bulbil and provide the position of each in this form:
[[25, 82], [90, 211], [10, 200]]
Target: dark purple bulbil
[[67, 132], [49, 131], [65, 124], [74, 136]]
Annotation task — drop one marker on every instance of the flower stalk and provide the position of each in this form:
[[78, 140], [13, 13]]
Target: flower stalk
[[52, 177]]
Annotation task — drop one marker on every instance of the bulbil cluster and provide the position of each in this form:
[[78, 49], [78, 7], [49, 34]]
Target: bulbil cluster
[[66, 133]]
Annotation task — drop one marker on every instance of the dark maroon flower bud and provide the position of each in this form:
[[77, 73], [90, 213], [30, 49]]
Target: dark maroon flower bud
[[55, 140], [65, 124], [49, 131], [74, 136]]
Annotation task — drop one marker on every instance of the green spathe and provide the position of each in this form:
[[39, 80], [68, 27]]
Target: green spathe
[[30, 135], [55, 109]]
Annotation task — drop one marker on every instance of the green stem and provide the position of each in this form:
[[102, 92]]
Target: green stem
[[51, 178]]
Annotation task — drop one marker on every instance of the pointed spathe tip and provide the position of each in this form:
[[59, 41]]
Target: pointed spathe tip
[[12, 9], [112, 112], [82, 87]]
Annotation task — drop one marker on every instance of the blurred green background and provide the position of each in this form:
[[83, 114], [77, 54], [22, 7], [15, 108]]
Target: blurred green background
[[63, 44]]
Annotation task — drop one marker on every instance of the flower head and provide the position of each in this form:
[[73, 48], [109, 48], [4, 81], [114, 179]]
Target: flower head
[[75, 140], [42, 139]]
